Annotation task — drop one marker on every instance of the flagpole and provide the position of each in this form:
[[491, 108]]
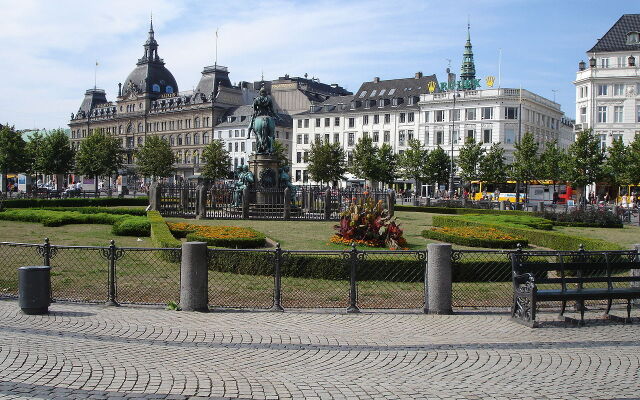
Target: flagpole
[[95, 76], [216, 61]]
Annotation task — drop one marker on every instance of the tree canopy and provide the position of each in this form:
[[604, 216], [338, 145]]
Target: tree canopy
[[526, 164], [326, 162], [99, 155], [365, 160], [616, 167], [492, 167], [13, 155], [155, 158], [585, 160], [56, 155], [216, 158], [471, 155], [412, 162], [552, 162], [438, 166]]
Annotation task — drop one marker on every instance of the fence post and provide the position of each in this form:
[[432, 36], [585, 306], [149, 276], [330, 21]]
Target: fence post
[[202, 201], [439, 272], [277, 280], [184, 198], [391, 201], [327, 204], [353, 289], [194, 277], [428, 202], [113, 254], [152, 197], [636, 273], [46, 255], [287, 204], [245, 203]]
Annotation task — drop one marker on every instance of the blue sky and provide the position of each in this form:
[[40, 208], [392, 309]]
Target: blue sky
[[49, 48]]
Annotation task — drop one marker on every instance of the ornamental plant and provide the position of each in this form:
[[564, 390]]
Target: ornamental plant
[[367, 222]]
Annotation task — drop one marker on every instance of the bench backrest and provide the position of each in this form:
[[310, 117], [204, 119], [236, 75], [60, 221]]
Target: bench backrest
[[577, 267]]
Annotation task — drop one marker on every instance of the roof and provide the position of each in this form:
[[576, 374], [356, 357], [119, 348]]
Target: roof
[[241, 117], [616, 38]]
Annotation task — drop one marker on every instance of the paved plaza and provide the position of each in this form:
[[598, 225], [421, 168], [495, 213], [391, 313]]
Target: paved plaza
[[90, 351]]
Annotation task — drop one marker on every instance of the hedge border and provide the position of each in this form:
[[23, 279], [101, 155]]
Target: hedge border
[[139, 212], [550, 239], [456, 210], [160, 234], [474, 242], [231, 243], [76, 202]]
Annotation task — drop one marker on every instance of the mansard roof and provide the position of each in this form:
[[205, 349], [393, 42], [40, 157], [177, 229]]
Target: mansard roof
[[616, 38]]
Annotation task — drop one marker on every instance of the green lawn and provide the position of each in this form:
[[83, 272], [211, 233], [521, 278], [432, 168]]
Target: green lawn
[[627, 236]]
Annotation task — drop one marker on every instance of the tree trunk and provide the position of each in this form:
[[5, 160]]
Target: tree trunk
[[96, 186]]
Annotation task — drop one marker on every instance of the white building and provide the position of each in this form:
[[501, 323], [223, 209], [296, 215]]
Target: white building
[[385, 110], [608, 87], [489, 116]]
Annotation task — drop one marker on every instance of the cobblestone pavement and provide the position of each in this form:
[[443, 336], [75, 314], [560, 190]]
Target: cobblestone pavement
[[89, 351]]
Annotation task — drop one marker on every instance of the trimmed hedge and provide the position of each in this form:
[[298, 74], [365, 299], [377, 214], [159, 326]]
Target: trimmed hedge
[[458, 211], [232, 243], [140, 212], [160, 234], [474, 242], [76, 202], [550, 239], [133, 226], [332, 267], [516, 221]]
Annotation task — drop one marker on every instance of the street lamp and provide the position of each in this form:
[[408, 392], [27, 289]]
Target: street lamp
[[453, 125]]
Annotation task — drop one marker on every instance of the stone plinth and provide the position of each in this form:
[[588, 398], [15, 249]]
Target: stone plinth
[[265, 174]]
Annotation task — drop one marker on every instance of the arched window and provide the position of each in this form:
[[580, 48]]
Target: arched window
[[172, 141], [140, 127], [187, 139], [155, 88], [120, 129], [196, 122], [187, 158], [164, 138], [196, 157], [179, 140], [169, 89], [129, 127], [205, 138], [179, 157], [196, 138]]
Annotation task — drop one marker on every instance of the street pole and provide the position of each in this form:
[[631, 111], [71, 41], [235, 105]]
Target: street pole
[[519, 138], [453, 125]]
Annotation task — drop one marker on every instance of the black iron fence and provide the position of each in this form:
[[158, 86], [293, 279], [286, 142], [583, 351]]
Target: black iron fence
[[266, 278]]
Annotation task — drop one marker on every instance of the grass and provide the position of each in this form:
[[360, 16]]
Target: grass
[[626, 237]]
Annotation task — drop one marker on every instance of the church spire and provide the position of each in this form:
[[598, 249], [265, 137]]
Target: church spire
[[468, 70], [150, 47]]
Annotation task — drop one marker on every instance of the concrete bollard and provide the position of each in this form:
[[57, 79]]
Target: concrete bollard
[[439, 275], [541, 206], [194, 277], [503, 205]]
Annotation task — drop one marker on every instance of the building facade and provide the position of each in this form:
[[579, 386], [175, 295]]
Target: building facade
[[150, 103], [608, 86]]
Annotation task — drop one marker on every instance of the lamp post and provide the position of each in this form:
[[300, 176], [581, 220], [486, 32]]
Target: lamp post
[[453, 125]]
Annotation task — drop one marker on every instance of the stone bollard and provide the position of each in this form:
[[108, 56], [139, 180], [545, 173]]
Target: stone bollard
[[194, 281], [636, 273], [327, 204], [541, 206], [439, 275], [202, 202], [503, 205]]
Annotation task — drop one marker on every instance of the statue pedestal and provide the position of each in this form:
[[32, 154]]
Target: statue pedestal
[[265, 174]]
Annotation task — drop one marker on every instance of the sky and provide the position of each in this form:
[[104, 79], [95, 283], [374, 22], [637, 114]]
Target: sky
[[50, 48]]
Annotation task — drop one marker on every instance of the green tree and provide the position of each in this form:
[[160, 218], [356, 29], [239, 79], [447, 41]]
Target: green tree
[[155, 158], [13, 155], [633, 171], [471, 155], [584, 161], [526, 163], [411, 163], [365, 160], [99, 155], [281, 153], [326, 162], [387, 164], [438, 166], [57, 155], [34, 154], [492, 167], [552, 160], [616, 166], [216, 159]]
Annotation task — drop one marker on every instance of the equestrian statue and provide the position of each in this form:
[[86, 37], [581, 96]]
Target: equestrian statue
[[263, 123]]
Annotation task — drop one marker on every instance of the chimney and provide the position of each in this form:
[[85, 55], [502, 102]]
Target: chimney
[[376, 79], [119, 89], [418, 75]]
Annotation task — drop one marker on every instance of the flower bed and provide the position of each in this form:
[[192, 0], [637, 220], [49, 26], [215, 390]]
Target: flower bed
[[475, 237], [220, 236]]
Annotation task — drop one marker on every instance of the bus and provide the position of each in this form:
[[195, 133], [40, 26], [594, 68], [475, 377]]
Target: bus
[[533, 191]]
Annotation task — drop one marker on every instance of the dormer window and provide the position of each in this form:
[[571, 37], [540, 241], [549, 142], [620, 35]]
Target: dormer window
[[633, 38], [155, 88], [169, 89]]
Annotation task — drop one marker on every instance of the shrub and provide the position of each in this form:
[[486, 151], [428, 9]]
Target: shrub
[[227, 236], [59, 218], [160, 234], [76, 202], [181, 229], [105, 210], [458, 211], [132, 226], [550, 239], [517, 221], [368, 222], [489, 237], [584, 218]]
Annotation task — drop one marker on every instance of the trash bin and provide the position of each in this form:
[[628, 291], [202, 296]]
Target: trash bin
[[34, 289]]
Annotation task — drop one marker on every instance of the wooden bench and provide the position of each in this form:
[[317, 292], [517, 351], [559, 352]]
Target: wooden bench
[[572, 276]]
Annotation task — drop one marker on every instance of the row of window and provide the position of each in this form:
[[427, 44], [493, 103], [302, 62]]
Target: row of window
[[612, 62], [603, 114], [159, 126], [240, 133], [603, 89]]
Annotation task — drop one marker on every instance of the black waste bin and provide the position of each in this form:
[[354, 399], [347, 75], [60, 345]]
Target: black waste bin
[[34, 289]]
